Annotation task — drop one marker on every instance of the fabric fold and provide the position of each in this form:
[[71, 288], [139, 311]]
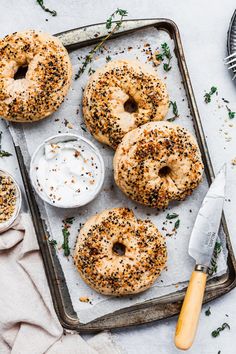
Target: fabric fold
[[28, 322]]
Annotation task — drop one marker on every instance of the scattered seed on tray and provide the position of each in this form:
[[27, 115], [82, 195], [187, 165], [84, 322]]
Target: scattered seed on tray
[[7, 198]]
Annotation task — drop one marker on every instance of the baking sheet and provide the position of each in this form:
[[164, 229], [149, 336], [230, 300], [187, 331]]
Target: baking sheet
[[133, 46]]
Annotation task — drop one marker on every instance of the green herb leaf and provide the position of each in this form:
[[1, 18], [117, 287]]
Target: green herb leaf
[[177, 223], [165, 54], [207, 96], [174, 110], [52, 242], [216, 252], [41, 4], [166, 50], [217, 331], [69, 220], [108, 58], [117, 24], [160, 57], [166, 67], [208, 311], [171, 216], [83, 127], [65, 244], [119, 12], [91, 71], [3, 153], [65, 232], [231, 114]]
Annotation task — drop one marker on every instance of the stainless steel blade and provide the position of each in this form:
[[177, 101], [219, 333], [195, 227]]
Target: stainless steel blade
[[205, 230]]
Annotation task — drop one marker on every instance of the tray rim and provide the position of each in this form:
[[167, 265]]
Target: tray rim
[[229, 34], [140, 313], [232, 20]]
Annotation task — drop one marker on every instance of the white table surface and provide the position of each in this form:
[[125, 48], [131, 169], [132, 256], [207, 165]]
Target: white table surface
[[203, 26]]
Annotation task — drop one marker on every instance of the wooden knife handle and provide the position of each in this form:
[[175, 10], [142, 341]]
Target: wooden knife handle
[[189, 316]]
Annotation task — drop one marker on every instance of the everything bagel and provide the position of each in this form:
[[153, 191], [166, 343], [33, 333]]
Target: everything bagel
[[46, 81], [117, 254], [120, 97], [157, 163]]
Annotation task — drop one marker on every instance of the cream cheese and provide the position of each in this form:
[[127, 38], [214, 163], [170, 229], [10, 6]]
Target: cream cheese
[[68, 173]]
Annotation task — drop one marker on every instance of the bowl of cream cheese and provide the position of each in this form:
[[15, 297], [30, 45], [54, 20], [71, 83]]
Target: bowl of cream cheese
[[67, 171]]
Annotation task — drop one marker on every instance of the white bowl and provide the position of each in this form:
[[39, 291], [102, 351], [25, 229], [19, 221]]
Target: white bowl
[[8, 223], [39, 152]]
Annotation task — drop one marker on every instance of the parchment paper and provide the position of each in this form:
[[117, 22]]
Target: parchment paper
[[180, 264]]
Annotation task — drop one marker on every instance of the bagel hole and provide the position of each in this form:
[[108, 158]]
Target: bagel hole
[[21, 72], [119, 249], [164, 171], [130, 105]]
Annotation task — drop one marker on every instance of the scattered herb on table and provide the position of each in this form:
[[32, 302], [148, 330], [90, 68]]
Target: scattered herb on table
[[65, 232], [217, 331], [41, 3], [207, 96], [165, 54], [110, 21], [2, 152], [208, 311], [171, 216], [108, 58], [216, 252], [174, 110], [231, 114]]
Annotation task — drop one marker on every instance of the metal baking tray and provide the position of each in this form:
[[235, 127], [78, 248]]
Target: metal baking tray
[[231, 38], [165, 306]]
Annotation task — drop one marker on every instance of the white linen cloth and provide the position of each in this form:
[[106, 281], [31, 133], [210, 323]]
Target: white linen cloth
[[28, 322]]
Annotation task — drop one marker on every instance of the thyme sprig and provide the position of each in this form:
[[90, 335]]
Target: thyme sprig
[[119, 12], [216, 252], [3, 153], [217, 331], [165, 54], [66, 233], [207, 96], [174, 110], [46, 9], [109, 22]]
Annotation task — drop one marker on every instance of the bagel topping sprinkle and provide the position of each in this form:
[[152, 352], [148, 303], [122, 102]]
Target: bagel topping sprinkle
[[7, 198], [68, 173]]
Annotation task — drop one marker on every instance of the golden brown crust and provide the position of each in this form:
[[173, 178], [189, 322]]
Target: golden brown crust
[[107, 91], [112, 274], [47, 80], [158, 163]]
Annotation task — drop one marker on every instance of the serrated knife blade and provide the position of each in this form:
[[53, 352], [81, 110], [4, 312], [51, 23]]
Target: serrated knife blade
[[205, 229], [201, 246]]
